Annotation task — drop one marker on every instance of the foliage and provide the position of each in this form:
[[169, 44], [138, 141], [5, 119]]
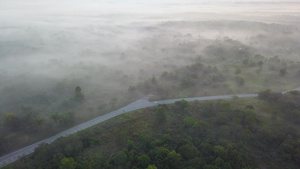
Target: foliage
[[240, 80], [78, 95], [151, 167], [288, 104], [67, 163], [36, 119], [160, 114], [10, 120], [235, 74], [230, 137], [45, 110]]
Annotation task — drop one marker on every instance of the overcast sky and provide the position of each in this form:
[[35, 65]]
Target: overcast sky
[[16, 12], [15, 7]]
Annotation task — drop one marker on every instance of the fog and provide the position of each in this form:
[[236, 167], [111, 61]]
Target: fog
[[118, 51], [115, 44], [59, 39]]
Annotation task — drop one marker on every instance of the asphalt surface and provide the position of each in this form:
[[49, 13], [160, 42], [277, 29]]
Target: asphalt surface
[[138, 104]]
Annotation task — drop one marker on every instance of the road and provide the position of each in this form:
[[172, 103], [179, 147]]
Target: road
[[138, 104]]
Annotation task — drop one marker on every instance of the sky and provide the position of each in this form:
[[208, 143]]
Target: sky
[[35, 7], [14, 12]]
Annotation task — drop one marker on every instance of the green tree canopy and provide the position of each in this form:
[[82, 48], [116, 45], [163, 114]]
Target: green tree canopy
[[68, 163]]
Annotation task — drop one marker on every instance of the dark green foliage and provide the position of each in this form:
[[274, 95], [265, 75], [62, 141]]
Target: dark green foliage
[[187, 79], [288, 104], [151, 167], [143, 161], [11, 120], [210, 134], [240, 80], [160, 114], [269, 95], [68, 118], [67, 163], [260, 64], [188, 151], [78, 95], [38, 114], [189, 122], [120, 158], [174, 160], [182, 106], [282, 72], [56, 117]]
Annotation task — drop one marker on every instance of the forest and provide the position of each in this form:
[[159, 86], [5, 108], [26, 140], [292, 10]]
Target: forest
[[245, 133], [29, 115], [65, 63]]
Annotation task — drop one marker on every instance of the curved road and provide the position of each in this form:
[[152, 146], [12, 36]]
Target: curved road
[[139, 104]]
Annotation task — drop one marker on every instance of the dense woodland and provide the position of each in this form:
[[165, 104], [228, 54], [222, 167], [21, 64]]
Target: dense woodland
[[28, 115], [239, 73], [169, 59], [248, 133], [64, 63]]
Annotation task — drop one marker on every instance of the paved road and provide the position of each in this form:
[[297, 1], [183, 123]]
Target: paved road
[[139, 104]]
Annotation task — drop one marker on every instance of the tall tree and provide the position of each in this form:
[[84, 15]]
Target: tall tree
[[78, 95]]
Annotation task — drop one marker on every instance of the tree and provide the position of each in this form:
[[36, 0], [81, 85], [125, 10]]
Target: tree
[[56, 117], [221, 163], [282, 72], [190, 122], [39, 121], [174, 160], [160, 157], [68, 163], [68, 118], [240, 80], [182, 106], [151, 167], [120, 158], [269, 95], [78, 95], [143, 161], [188, 151], [225, 106], [10, 120], [260, 64]]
